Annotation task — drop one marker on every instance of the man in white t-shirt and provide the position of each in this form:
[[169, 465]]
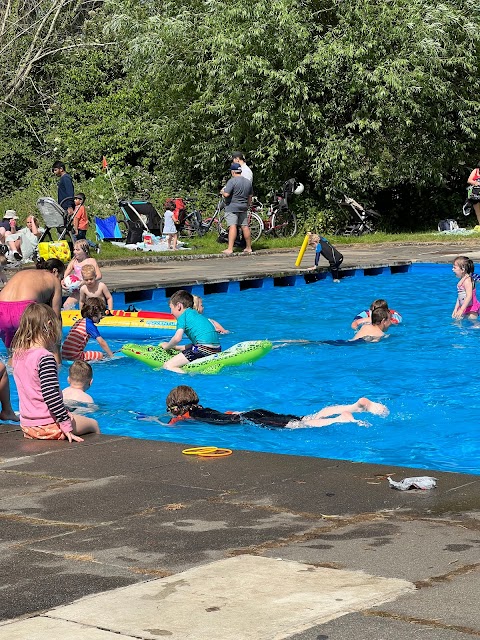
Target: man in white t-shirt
[[237, 156]]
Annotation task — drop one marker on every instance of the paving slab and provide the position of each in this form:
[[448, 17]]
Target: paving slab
[[362, 626], [178, 536], [80, 461], [243, 597], [452, 602], [98, 501], [42, 628], [391, 548], [34, 581], [19, 450]]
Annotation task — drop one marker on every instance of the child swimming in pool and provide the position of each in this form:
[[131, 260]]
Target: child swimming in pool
[[184, 404], [198, 306], [467, 303], [366, 316], [43, 415], [378, 327]]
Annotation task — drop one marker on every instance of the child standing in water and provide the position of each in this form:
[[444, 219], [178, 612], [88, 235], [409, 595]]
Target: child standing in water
[[92, 288], [81, 257], [467, 303], [43, 415]]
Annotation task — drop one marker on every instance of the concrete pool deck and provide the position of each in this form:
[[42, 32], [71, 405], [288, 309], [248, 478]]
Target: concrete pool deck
[[159, 272], [253, 546]]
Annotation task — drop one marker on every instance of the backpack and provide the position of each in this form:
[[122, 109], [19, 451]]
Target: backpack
[[179, 210], [448, 225]]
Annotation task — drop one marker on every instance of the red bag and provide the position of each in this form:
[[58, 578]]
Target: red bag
[[177, 205]]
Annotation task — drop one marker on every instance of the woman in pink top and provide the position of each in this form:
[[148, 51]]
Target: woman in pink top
[[43, 415]]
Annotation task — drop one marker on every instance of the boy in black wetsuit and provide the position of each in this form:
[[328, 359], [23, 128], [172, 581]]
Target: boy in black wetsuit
[[183, 403]]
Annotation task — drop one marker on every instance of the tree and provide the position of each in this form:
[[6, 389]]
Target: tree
[[366, 96]]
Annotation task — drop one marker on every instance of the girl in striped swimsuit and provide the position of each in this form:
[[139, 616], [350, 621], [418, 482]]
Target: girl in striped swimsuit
[[43, 415]]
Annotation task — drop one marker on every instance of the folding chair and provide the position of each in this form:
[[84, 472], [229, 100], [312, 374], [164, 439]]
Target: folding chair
[[140, 216], [54, 217], [107, 229]]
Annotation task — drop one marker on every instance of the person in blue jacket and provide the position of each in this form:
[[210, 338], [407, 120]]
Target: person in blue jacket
[[65, 190]]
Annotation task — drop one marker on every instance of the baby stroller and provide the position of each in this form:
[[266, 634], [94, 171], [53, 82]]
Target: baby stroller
[[54, 217], [140, 216], [362, 220]]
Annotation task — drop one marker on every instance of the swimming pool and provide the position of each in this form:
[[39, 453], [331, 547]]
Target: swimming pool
[[425, 373]]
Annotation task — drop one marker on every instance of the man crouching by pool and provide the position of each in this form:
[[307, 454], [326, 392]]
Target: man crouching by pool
[[199, 330], [375, 331]]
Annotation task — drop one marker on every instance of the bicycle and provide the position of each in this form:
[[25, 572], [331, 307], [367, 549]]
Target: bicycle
[[278, 220], [195, 224]]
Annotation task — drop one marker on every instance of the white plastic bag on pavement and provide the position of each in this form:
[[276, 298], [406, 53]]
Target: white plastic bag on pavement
[[420, 482]]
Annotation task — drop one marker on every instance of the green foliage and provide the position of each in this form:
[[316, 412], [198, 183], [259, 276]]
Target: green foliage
[[375, 99]]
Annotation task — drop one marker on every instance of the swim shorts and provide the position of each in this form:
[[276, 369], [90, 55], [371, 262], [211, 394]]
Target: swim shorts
[[10, 314], [238, 217], [196, 351], [47, 432]]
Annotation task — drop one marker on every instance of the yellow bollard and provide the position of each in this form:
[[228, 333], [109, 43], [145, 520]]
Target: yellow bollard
[[303, 248]]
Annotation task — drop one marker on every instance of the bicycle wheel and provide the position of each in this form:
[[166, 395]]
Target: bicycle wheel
[[256, 225], [254, 222], [284, 224]]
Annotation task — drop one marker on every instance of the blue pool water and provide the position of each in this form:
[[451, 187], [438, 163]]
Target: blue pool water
[[425, 373]]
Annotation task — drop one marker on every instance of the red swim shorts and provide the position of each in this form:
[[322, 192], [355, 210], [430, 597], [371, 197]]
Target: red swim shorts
[[47, 432]]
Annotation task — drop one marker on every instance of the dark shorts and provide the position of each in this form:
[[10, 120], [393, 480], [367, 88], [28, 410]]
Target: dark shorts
[[81, 234], [196, 351]]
